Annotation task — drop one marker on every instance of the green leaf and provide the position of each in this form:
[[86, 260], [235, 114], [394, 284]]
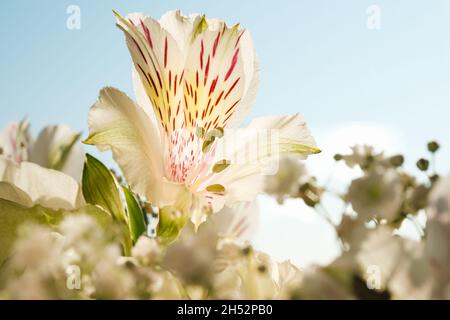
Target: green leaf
[[136, 218], [100, 188]]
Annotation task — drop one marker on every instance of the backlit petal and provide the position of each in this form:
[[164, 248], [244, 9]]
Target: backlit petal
[[117, 123], [254, 152], [29, 184]]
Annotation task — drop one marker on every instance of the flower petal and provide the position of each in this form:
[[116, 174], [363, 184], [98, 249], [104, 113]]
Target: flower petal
[[254, 152], [159, 63], [118, 124], [29, 184], [197, 72], [15, 140], [239, 221], [57, 148], [220, 72]]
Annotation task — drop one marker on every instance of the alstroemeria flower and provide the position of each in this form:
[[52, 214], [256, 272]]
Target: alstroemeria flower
[[15, 141], [195, 79], [56, 147]]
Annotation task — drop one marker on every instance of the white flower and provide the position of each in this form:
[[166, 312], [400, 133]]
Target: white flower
[[198, 255], [29, 184], [389, 262], [195, 79], [438, 236], [363, 156], [237, 223], [147, 251], [288, 278], [352, 231], [378, 193], [286, 182], [57, 147], [15, 141], [251, 276]]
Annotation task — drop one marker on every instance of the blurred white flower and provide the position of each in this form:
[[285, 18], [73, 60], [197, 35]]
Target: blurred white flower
[[363, 156], [438, 236], [147, 251], [15, 141], [352, 231], [379, 193], [197, 256], [288, 278], [57, 147], [252, 275], [195, 79], [394, 264], [286, 182]]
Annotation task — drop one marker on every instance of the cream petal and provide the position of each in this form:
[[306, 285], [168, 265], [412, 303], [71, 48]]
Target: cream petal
[[239, 221], [255, 151], [179, 26], [142, 99], [57, 148], [116, 123], [29, 184], [197, 72], [292, 133], [159, 62], [220, 71]]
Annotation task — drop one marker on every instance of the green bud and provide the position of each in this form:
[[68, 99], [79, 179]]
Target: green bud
[[338, 157], [397, 160], [310, 194], [247, 250], [434, 178], [262, 268], [171, 221], [423, 164], [433, 146]]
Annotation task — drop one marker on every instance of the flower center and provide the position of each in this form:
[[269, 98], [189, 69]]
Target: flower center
[[185, 153]]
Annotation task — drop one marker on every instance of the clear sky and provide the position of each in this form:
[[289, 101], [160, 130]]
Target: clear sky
[[318, 57]]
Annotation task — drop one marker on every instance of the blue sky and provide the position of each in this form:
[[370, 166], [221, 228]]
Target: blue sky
[[317, 57]]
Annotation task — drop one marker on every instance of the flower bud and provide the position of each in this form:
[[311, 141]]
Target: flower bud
[[397, 160], [433, 146], [423, 164]]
